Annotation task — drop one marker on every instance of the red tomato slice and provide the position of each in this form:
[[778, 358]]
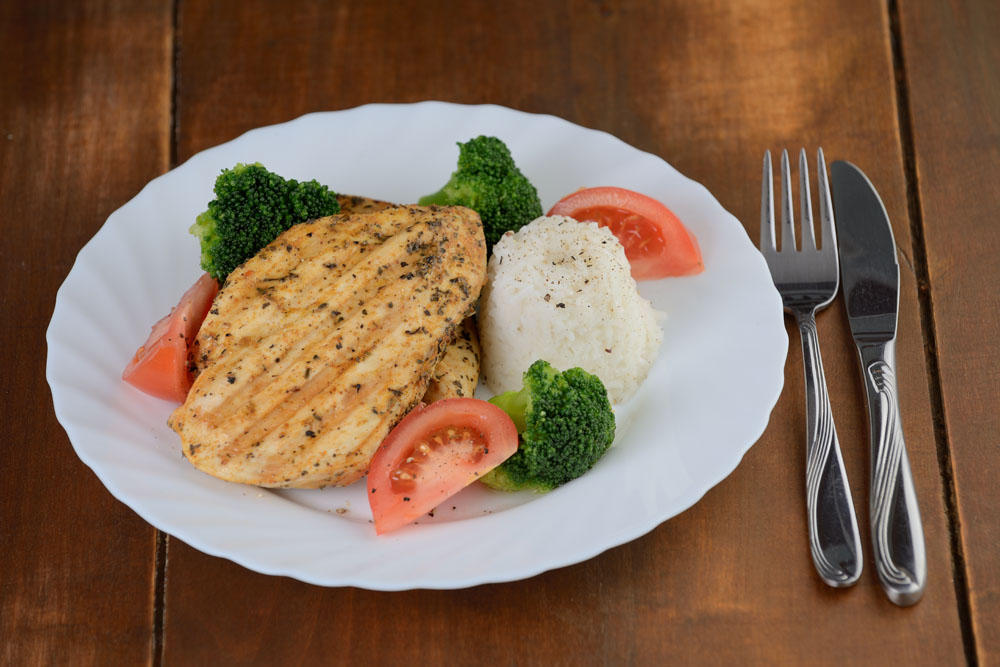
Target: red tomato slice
[[656, 243], [160, 367], [432, 454]]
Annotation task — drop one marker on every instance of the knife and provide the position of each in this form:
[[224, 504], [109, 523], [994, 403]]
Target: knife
[[870, 276]]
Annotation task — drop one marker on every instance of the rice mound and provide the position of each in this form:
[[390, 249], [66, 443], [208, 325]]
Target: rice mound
[[561, 290]]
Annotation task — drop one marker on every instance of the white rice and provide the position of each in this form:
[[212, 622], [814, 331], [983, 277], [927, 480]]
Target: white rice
[[561, 290]]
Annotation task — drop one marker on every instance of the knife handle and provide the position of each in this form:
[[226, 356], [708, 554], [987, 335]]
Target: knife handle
[[897, 535], [833, 526]]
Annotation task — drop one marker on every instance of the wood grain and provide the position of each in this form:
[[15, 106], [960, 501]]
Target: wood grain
[[84, 123], [709, 86], [953, 75]]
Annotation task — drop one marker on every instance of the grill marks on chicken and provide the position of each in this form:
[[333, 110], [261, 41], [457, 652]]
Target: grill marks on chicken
[[458, 373], [317, 346]]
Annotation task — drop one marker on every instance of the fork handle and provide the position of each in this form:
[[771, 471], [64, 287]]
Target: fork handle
[[897, 536], [833, 526]]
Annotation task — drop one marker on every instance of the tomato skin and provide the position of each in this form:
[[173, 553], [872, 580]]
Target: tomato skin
[[160, 366], [656, 243], [447, 469]]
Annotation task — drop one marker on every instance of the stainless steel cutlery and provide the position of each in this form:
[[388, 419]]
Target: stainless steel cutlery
[[807, 281], [871, 295]]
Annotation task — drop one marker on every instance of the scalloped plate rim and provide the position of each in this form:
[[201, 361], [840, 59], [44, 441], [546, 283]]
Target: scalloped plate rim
[[778, 350]]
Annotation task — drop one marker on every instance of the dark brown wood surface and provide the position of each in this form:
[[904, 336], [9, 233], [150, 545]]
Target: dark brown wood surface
[[84, 121], [94, 102], [952, 59]]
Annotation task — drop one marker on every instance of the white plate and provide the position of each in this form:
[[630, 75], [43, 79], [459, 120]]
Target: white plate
[[706, 401]]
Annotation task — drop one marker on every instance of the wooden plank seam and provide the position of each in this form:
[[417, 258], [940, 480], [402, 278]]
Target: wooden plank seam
[[925, 299], [163, 539]]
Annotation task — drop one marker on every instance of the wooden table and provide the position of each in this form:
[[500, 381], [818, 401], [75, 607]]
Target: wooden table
[[97, 98]]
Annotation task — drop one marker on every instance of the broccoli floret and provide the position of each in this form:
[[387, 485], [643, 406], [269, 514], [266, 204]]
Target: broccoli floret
[[252, 206], [488, 182], [565, 424]]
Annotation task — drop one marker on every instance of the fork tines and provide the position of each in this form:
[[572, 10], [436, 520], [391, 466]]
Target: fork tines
[[828, 234]]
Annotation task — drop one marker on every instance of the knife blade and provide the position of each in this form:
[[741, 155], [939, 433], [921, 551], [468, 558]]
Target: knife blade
[[869, 273]]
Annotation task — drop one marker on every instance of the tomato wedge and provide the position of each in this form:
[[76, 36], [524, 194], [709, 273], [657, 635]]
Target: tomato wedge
[[432, 454], [160, 366], [656, 243]]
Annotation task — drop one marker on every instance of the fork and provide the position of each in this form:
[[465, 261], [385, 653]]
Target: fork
[[807, 281]]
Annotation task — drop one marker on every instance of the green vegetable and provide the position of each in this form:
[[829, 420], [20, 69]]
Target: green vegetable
[[252, 206], [565, 424], [488, 182]]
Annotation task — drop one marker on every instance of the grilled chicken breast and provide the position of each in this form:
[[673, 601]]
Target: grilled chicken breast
[[356, 204], [458, 373], [319, 344]]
